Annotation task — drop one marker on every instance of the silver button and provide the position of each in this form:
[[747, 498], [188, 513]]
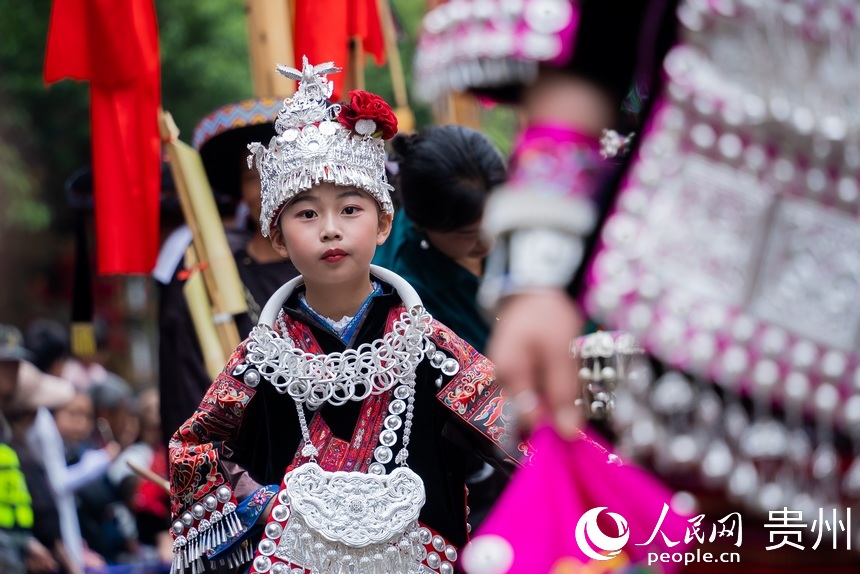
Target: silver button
[[437, 359], [223, 493], [382, 454], [388, 438], [548, 16], [252, 378], [425, 536], [450, 367], [433, 560], [280, 513], [393, 422], [262, 564], [267, 547], [274, 530]]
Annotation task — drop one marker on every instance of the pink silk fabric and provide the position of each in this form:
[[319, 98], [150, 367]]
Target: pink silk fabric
[[538, 513]]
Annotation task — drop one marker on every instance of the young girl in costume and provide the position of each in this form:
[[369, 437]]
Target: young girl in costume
[[336, 436]]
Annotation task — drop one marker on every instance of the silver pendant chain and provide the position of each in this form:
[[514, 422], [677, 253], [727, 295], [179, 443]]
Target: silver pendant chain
[[373, 368], [336, 378]]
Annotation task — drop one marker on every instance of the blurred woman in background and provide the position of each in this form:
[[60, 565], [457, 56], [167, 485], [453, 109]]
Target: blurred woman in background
[[443, 178]]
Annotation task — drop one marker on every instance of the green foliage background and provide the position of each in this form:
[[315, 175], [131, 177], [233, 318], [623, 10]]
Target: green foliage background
[[44, 131]]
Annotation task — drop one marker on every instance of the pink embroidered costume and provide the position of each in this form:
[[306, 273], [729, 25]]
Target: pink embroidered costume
[[730, 244]]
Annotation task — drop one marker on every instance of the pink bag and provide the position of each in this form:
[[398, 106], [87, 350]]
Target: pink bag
[[575, 504]]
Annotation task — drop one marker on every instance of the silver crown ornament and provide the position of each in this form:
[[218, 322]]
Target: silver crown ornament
[[312, 146]]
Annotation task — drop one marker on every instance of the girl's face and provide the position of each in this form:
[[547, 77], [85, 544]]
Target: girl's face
[[75, 420], [467, 242], [330, 233]]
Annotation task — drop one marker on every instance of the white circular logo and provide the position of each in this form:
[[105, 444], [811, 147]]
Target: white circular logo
[[593, 542]]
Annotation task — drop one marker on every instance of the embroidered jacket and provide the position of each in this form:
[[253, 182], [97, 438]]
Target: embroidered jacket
[[245, 435]]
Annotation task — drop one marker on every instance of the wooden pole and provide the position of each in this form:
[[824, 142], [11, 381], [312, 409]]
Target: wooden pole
[[213, 341], [270, 42], [458, 109], [147, 474], [215, 260], [354, 79], [464, 110], [405, 117]]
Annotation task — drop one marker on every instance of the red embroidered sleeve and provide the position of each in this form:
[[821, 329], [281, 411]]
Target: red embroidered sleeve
[[195, 466], [475, 399]]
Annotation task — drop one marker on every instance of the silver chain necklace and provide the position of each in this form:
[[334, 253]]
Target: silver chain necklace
[[330, 520], [336, 378], [353, 375], [371, 369]]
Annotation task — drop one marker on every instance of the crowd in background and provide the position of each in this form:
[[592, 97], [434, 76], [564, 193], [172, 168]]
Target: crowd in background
[[78, 430], [75, 427]]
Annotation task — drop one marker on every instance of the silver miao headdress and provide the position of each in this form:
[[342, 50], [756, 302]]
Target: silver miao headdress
[[313, 145]]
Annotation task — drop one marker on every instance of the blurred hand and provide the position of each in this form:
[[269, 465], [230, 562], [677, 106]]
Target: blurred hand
[[113, 449], [39, 558], [530, 346], [164, 547], [92, 559]]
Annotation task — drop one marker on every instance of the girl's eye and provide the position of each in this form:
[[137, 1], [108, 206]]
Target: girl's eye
[[307, 214], [350, 210]]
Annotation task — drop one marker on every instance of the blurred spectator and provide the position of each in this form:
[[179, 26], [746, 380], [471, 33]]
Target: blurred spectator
[[107, 523], [445, 175], [50, 436], [48, 341], [114, 409], [37, 390], [151, 499], [83, 375], [76, 423], [140, 452], [16, 516]]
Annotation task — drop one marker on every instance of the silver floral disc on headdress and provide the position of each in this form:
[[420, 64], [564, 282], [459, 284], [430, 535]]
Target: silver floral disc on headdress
[[312, 146]]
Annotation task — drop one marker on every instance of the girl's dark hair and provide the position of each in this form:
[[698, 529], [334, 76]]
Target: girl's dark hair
[[444, 176]]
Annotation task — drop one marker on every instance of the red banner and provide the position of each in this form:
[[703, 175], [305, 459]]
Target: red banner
[[114, 45], [324, 27]]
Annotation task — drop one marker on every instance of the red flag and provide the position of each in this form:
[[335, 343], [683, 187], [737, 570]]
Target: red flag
[[324, 27], [114, 45], [366, 26]]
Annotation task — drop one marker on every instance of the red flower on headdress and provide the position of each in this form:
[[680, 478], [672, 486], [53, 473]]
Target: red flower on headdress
[[366, 106]]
